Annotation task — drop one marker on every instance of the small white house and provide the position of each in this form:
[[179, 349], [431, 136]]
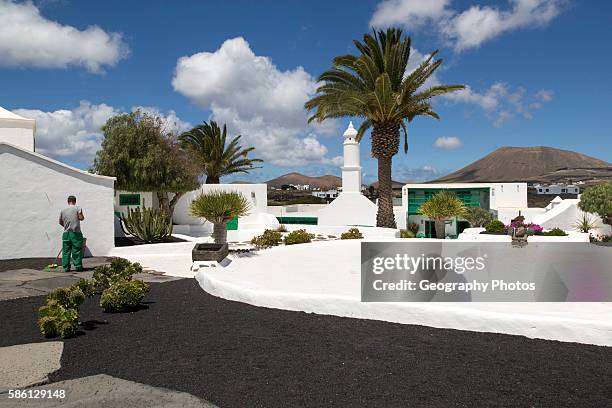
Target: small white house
[[34, 191], [326, 194], [557, 189], [503, 199]]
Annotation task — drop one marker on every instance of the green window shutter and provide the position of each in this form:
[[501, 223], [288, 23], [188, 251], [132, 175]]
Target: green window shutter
[[232, 224], [129, 199]]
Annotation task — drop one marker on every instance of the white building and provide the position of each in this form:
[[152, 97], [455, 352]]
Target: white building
[[557, 189], [503, 199], [16, 130], [326, 194], [34, 191], [350, 207]]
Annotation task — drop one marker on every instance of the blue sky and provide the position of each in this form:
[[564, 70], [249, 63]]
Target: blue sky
[[537, 72]]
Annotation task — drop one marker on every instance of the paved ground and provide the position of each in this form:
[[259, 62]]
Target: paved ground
[[102, 390], [25, 365], [237, 355], [28, 277]]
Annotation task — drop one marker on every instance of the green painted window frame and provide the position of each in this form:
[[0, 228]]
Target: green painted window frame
[[129, 199]]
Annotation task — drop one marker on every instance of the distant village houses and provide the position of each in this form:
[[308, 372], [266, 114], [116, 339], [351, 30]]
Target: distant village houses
[[557, 189]]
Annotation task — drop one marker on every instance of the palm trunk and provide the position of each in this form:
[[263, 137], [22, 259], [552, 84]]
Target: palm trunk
[[220, 233], [385, 144], [385, 216], [212, 180], [440, 229]]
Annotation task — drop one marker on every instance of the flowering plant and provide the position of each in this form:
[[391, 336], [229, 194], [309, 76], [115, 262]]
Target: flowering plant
[[531, 227]]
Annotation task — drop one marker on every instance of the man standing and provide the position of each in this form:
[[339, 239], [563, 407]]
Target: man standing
[[72, 238]]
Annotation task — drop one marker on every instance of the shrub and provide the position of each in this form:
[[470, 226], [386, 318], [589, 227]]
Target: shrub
[[477, 217], [119, 268], [597, 199], [59, 316], [148, 224], [495, 226], [281, 228], [123, 295], [407, 233], [585, 223], [268, 239], [414, 228], [352, 233], [300, 236], [555, 232], [57, 320]]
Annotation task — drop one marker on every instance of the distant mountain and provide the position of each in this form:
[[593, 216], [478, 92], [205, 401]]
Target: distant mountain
[[327, 181], [533, 164]]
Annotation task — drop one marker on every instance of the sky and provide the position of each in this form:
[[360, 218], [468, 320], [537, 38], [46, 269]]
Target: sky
[[537, 73]]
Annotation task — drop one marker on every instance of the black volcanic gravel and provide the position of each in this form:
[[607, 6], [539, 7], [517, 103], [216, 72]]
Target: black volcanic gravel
[[237, 355]]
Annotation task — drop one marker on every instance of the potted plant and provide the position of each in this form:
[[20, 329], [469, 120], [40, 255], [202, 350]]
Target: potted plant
[[217, 207], [442, 206]]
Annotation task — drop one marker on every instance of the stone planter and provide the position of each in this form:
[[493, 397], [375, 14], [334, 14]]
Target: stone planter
[[209, 252]]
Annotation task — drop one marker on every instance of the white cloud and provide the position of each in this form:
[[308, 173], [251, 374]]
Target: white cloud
[[410, 13], [256, 99], [29, 39], [404, 173], [75, 133], [501, 102], [448, 142], [469, 28]]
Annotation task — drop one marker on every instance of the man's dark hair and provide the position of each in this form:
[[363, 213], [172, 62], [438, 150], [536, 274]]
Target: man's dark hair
[[71, 199]]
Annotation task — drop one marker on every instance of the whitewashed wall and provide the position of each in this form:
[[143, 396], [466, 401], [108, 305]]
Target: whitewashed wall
[[349, 209], [513, 195], [257, 194], [34, 190]]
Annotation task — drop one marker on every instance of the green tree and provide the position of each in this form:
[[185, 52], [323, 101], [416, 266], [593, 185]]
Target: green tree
[[376, 86], [597, 199], [219, 207], [145, 157], [477, 216], [216, 158], [442, 206]]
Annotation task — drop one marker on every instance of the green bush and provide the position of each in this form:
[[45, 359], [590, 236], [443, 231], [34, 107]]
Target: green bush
[[57, 320], [495, 226], [119, 268], [123, 295], [268, 239], [148, 224], [555, 232], [300, 236], [352, 233], [59, 316], [477, 216], [407, 233]]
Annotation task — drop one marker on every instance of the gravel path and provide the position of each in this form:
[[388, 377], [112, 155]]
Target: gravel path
[[237, 355]]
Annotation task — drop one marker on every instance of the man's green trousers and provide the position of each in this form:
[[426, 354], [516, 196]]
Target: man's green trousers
[[72, 242]]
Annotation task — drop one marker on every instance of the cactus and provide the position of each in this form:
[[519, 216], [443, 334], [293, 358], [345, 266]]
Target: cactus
[[148, 224]]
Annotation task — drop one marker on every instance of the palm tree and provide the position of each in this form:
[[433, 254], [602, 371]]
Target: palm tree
[[219, 207], [376, 87], [217, 159], [441, 207]]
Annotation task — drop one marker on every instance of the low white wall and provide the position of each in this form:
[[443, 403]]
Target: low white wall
[[34, 191], [506, 215]]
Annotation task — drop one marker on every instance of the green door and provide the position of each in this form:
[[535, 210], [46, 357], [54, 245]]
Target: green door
[[232, 225], [430, 229]]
